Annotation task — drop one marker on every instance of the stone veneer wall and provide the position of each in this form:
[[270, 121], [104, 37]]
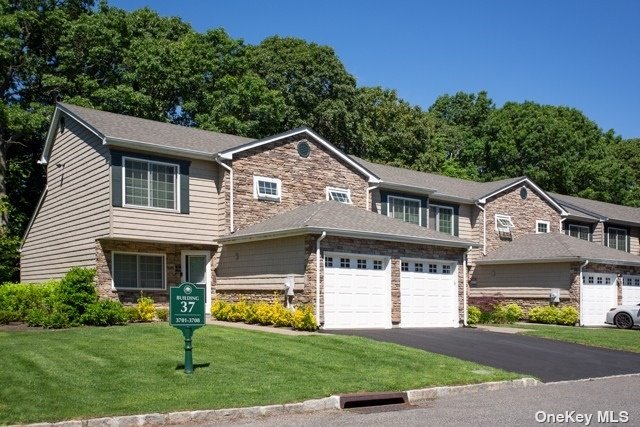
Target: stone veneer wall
[[394, 250], [304, 180], [173, 253], [524, 214]]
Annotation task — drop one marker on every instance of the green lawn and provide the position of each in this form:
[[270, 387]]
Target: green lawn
[[617, 339], [92, 372]]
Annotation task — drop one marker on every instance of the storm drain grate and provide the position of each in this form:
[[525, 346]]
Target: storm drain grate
[[365, 400]]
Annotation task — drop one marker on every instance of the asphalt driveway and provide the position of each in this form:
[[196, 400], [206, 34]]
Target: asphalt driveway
[[546, 359]]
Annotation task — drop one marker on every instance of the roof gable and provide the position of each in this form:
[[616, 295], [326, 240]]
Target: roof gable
[[228, 154], [521, 181]]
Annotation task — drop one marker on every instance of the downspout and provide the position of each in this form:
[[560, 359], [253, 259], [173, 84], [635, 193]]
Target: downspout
[[562, 220], [484, 228], [464, 287], [369, 197], [228, 168], [322, 236], [581, 311]]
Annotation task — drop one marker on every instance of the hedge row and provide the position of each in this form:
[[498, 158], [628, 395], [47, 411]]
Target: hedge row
[[510, 313], [264, 313]]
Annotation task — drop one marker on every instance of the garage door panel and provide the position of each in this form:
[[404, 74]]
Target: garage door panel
[[428, 294], [598, 294], [630, 290], [357, 291]]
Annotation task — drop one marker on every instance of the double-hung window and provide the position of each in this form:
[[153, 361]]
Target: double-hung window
[[150, 184], [617, 238], [339, 195], [403, 208], [442, 217], [138, 271], [579, 231], [266, 188]]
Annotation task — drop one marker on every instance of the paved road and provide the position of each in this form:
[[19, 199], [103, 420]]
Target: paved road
[[498, 408], [548, 360]]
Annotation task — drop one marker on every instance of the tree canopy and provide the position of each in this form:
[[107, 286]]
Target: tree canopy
[[142, 64]]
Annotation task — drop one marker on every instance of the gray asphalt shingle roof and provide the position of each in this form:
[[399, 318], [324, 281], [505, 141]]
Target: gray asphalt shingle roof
[[555, 247], [119, 126], [443, 185], [606, 210], [341, 219]]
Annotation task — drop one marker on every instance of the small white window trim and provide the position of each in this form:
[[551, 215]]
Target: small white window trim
[[153, 208], [164, 271], [345, 191], [437, 217], [256, 193], [547, 223], [503, 223], [624, 232], [390, 212]]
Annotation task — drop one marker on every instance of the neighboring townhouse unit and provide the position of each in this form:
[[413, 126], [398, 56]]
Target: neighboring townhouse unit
[[151, 204]]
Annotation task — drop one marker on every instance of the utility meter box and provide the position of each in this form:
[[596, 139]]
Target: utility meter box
[[289, 283], [554, 296]]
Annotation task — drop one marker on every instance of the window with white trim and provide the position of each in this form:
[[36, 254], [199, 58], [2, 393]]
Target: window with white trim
[[443, 218], [617, 238], [503, 223], [138, 271], [542, 226], [339, 195], [266, 188], [345, 263], [150, 184], [579, 231], [405, 209]]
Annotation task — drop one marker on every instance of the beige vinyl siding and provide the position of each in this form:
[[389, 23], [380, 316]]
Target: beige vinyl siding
[[598, 233], [261, 265], [75, 209], [543, 275], [465, 231], [499, 292], [634, 240], [203, 224]]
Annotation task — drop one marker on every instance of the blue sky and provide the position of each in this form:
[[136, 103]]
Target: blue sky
[[580, 53]]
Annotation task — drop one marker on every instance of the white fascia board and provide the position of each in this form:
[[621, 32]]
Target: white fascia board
[[155, 148], [483, 200], [228, 154]]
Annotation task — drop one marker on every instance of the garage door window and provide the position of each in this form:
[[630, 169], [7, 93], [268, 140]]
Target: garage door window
[[419, 268], [433, 268], [362, 264], [377, 264], [446, 269], [345, 263], [405, 266], [328, 261]]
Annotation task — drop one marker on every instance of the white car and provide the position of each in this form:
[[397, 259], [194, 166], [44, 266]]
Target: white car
[[624, 316]]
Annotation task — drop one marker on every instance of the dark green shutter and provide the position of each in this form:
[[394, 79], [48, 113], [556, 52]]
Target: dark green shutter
[[184, 187], [116, 178], [424, 210], [456, 220], [384, 203], [628, 241]]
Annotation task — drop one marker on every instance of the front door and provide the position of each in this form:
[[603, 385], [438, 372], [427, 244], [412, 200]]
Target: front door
[[196, 269]]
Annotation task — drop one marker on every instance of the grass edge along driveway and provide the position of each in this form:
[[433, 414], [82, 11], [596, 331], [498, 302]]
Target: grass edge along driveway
[[612, 338], [93, 372]]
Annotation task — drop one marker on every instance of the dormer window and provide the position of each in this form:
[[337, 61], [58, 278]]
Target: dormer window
[[339, 195], [150, 184], [503, 223]]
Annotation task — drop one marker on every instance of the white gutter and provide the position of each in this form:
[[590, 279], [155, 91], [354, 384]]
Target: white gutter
[[561, 221], [322, 236], [484, 228], [368, 207], [581, 310], [464, 289], [231, 225]]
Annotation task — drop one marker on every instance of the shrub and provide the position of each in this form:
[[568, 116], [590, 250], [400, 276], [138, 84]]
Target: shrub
[[237, 312], [280, 316], [6, 317], [250, 315], [473, 315], [37, 317], [162, 314], [76, 293], [132, 313], [146, 309], [509, 313], [217, 307], [263, 312], [568, 316], [18, 299], [547, 314], [303, 319], [104, 313]]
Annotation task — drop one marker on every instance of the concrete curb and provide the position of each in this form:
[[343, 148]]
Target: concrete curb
[[314, 405]]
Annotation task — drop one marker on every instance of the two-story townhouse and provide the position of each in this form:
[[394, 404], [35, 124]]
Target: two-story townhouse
[[524, 251], [151, 204]]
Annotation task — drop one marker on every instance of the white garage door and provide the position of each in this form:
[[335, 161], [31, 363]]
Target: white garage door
[[599, 294], [357, 291], [429, 294], [630, 290]]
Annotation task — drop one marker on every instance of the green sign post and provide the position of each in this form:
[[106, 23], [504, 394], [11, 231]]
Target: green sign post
[[186, 312]]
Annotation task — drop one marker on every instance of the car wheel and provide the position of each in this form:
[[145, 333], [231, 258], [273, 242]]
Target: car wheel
[[623, 321]]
